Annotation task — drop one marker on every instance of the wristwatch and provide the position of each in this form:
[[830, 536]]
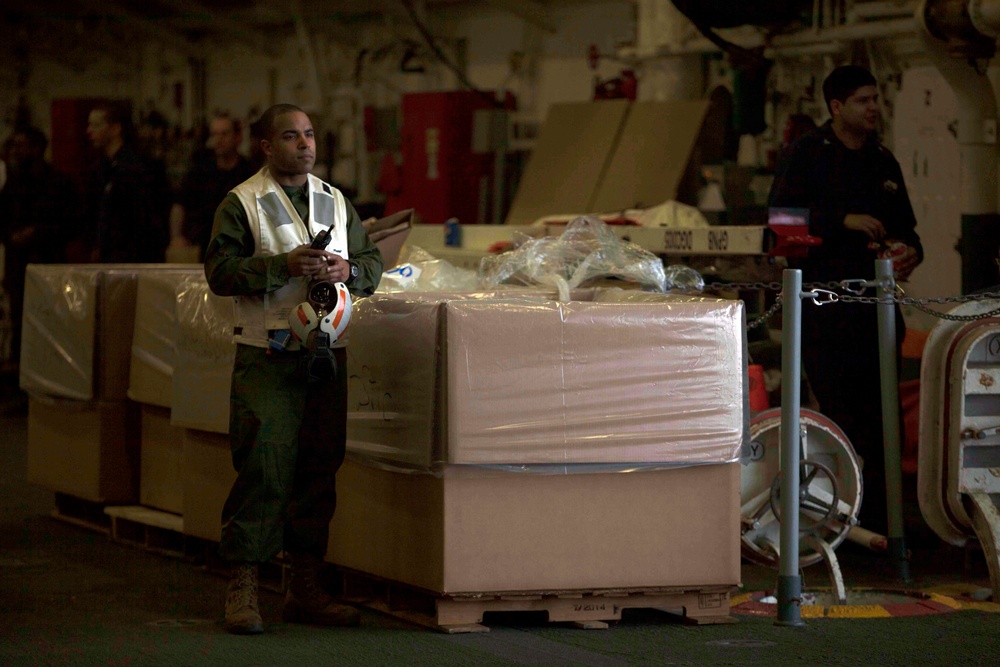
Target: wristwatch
[[354, 272]]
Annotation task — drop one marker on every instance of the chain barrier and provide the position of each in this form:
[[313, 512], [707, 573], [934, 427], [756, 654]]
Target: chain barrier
[[852, 291]]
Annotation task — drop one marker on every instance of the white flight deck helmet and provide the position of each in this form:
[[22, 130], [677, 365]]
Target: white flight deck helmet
[[327, 310]]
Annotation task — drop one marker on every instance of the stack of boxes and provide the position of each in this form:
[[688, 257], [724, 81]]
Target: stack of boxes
[[505, 442], [501, 441], [84, 432], [127, 369]]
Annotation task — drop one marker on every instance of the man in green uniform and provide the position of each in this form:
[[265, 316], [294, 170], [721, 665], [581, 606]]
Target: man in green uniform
[[287, 431]]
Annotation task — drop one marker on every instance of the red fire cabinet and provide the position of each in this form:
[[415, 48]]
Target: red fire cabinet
[[441, 176]]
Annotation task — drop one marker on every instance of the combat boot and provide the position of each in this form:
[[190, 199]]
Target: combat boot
[[242, 609], [307, 602]]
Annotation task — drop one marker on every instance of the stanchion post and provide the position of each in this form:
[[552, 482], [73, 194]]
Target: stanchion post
[[890, 417], [789, 580]]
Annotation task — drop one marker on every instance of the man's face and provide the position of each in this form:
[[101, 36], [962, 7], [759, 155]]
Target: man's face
[[225, 140], [860, 111], [291, 150], [99, 130]]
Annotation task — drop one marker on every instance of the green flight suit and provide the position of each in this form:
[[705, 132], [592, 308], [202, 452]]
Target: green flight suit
[[288, 436]]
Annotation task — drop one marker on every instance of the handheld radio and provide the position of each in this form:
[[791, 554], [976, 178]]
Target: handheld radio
[[322, 239]]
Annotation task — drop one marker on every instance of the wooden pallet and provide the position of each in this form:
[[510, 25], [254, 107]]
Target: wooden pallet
[[153, 530], [81, 513], [583, 609]]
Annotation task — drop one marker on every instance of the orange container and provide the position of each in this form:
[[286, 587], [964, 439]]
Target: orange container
[[758, 391]]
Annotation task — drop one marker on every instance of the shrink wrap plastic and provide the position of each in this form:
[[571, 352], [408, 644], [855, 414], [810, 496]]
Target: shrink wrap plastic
[[587, 249], [77, 329], [59, 331], [616, 380], [419, 271], [152, 370], [204, 357]]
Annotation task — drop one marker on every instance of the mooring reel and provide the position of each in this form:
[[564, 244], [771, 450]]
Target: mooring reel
[[829, 491]]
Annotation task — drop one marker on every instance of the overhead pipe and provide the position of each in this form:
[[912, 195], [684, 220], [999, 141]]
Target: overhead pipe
[[864, 11], [954, 40], [823, 40]]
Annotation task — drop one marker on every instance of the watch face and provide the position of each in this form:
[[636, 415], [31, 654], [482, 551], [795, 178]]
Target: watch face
[[354, 270]]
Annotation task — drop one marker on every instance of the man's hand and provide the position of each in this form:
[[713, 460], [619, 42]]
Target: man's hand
[[865, 223], [306, 261], [904, 264], [338, 268]]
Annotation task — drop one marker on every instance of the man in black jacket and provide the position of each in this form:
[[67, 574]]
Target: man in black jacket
[[127, 197], [37, 213], [853, 189]]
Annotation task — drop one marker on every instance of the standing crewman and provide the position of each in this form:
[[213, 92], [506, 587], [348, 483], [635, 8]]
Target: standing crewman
[[858, 204], [127, 203], [207, 182], [37, 212], [287, 431]]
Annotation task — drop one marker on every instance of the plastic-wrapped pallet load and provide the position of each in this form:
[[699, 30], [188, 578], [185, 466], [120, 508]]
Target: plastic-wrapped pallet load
[[152, 368], [204, 357], [518, 380], [77, 331], [83, 433], [161, 479], [203, 343], [492, 436]]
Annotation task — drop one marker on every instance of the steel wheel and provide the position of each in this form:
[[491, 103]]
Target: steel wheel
[[831, 487]]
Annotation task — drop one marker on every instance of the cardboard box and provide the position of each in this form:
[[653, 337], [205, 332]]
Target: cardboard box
[[205, 351], [470, 530], [152, 365], [568, 160], [208, 477], [650, 156], [533, 381], [161, 479], [608, 155], [389, 234], [89, 450], [77, 330]]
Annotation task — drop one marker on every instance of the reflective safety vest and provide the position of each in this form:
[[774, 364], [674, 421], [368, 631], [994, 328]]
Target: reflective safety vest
[[277, 229]]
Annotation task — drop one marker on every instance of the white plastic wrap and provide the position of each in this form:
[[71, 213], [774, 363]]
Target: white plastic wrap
[[204, 357], [586, 250], [77, 329], [483, 380], [59, 331], [419, 271], [152, 370]]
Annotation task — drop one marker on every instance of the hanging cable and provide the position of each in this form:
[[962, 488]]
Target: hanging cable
[[440, 55]]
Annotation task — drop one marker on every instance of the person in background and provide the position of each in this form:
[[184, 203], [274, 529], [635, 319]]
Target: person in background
[[858, 205], [125, 205], [37, 212], [207, 182], [287, 428]]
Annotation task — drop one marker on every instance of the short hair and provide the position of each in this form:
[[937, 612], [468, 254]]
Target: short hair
[[843, 81], [118, 113], [265, 123], [234, 122]]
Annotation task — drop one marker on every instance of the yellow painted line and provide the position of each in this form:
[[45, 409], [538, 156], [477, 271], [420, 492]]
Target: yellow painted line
[[873, 610], [739, 599], [976, 605], [944, 599], [857, 611], [942, 594]]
